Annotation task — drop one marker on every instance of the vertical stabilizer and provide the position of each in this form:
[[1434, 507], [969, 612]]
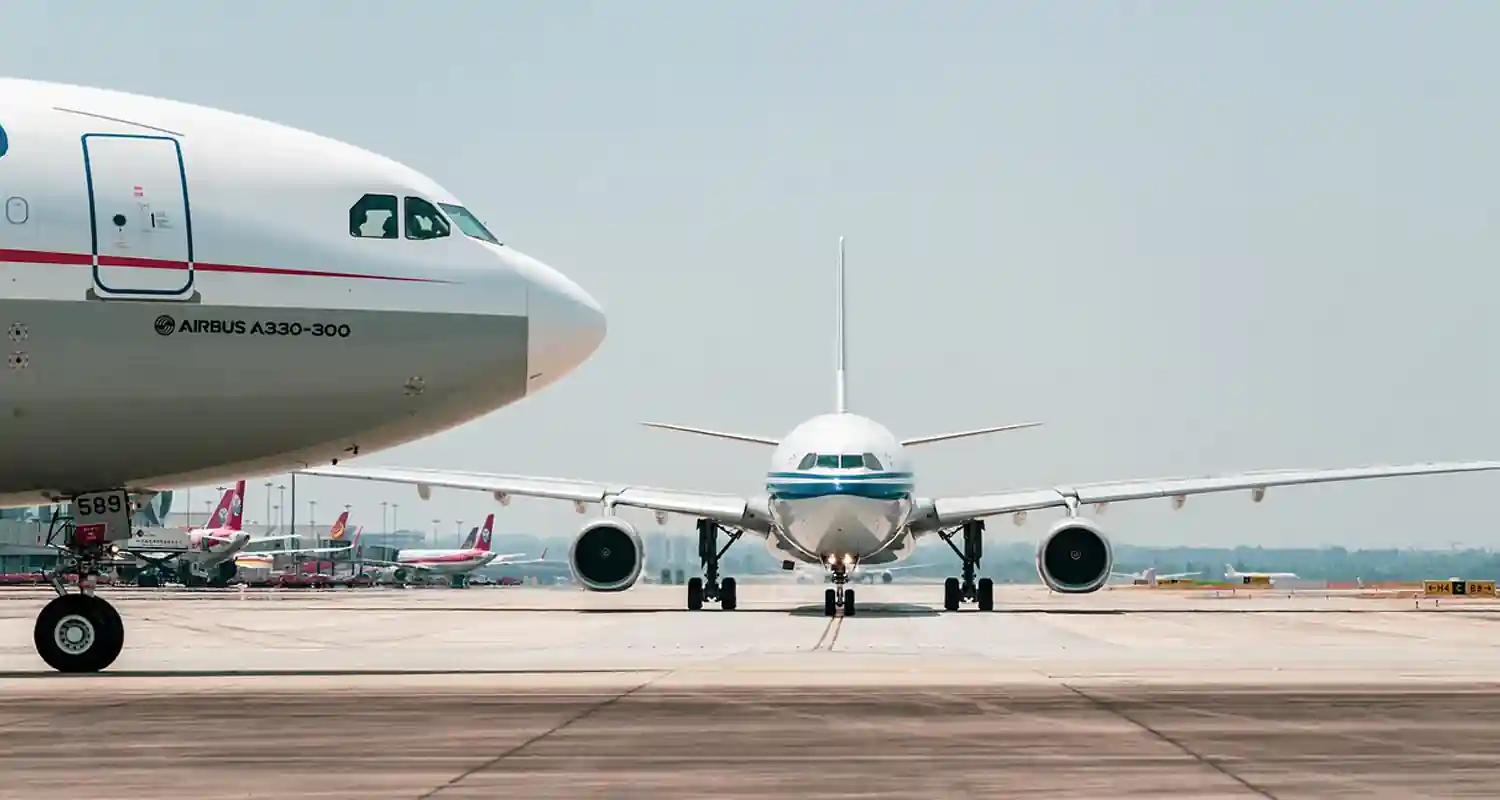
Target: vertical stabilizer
[[483, 543], [339, 526], [841, 397], [237, 507]]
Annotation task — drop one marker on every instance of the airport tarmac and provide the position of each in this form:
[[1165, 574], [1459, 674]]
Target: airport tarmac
[[532, 692]]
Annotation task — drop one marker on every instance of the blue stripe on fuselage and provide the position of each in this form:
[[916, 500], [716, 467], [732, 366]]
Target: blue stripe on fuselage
[[873, 485]]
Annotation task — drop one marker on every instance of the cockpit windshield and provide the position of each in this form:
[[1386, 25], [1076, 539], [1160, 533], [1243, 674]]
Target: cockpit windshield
[[468, 223]]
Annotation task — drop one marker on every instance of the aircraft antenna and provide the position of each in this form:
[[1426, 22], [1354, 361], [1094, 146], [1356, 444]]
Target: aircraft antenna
[[841, 395]]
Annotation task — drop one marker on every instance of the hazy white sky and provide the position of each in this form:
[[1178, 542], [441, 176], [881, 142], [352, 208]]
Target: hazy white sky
[[1191, 237]]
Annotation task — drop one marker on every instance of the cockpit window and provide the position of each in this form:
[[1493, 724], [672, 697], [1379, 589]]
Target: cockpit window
[[807, 461], [851, 462], [872, 462], [373, 217], [468, 223], [828, 462], [423, 220]]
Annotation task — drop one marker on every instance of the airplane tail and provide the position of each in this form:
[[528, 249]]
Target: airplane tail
[[1230, 571], [483, 543], [339, 526], [472, 538], [220, 517], [237, 507], [841, 397]]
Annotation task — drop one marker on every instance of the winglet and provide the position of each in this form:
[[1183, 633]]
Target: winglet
[[941, 437]]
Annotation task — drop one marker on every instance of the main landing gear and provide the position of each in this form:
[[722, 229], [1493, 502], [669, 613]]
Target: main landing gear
[[709, 587], [956, 591], [838, 597], [78, 632]]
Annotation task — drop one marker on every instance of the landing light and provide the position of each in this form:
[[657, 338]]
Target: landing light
[[848, 559]]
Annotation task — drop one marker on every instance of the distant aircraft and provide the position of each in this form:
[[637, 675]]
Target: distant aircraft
[[208, 554], [1232, 574], [323, 302], [452, 564], [1149, 577], [841, 492]]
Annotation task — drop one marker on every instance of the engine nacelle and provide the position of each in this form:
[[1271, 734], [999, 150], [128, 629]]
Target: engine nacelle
[[607, 556], [1074, 557]]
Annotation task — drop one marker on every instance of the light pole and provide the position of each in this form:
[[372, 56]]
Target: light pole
[[435, 531], [395, 524], [207, 507], [458, 532], [281, 503], [268, 501], [384, 517], [312, 514]]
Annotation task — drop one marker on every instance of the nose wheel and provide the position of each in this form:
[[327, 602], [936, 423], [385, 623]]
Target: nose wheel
[[709, 587], [838, 597], [957, 591]]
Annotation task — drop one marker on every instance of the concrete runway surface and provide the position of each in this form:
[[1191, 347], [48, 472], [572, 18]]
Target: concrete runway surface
[[556, 693]]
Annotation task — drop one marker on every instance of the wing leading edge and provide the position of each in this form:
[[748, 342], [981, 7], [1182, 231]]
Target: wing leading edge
[[729, 510], [954, 510]]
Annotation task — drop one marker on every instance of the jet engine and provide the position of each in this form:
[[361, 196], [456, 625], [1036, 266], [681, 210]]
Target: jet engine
[[1074, 557], [607, 556]]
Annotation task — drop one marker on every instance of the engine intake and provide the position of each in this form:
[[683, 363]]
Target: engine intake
[[607, 556], [1074, 557]]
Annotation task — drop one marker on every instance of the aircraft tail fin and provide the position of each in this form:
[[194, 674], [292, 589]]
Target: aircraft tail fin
[[738, 437], [943, 437], [220, 517], [237, 507], [483, 542], [841, 396], [339, 526], [470, 539]]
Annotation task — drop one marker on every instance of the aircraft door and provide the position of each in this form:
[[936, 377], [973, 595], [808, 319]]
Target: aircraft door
[[138, 205]]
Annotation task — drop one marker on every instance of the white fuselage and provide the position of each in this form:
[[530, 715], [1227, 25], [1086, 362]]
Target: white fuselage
[[840, 489], [321, 300], [447, 562]]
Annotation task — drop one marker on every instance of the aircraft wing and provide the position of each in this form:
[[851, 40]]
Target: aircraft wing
[[729, 510], [954, 510]]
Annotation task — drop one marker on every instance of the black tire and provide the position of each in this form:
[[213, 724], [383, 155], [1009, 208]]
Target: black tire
[[727, 598], [695, 594], [986, 594], [830, 602], [848, 602], [951, 594], [100, 634]]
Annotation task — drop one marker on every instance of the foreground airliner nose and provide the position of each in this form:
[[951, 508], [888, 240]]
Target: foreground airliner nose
[[564, 327]]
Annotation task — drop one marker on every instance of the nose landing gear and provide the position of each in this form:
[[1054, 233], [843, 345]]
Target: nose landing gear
[[838, 597], [81, 632]]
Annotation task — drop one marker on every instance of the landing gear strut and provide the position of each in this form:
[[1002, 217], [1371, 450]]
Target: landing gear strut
[[956, 591], [838, 597], [709, 587], [78, 632]]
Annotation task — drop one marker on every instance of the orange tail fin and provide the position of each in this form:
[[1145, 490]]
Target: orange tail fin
[[339, 526]]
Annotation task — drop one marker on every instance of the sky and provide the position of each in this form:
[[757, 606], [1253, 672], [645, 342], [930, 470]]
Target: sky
[[1189, 237]]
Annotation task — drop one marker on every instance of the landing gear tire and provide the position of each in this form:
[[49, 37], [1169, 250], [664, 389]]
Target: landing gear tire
[[957, 591], [79, 633], [709, 587], [830, 602], [848, 602]]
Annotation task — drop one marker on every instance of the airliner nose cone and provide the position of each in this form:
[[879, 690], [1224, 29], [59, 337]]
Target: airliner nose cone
[[565, 327]]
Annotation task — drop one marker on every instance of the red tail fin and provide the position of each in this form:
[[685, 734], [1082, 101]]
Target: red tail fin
[[237, 507], [483, 545], [337, 531], [220, 517]]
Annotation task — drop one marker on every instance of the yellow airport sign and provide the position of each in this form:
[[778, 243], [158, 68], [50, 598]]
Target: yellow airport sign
[[1457, 587], [1174, 581], [1257, 580]]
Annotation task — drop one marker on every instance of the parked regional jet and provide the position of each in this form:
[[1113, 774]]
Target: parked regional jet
[[452, 564], [840, 491], [256, 562], [337, 302]]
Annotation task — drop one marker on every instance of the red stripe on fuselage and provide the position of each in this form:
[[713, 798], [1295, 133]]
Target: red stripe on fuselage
[[131, 262]]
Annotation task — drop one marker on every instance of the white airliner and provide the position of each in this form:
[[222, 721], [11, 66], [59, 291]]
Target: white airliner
[[1148, 576], [328, 302], [1232, 574], [447, 563], [840, 491]]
